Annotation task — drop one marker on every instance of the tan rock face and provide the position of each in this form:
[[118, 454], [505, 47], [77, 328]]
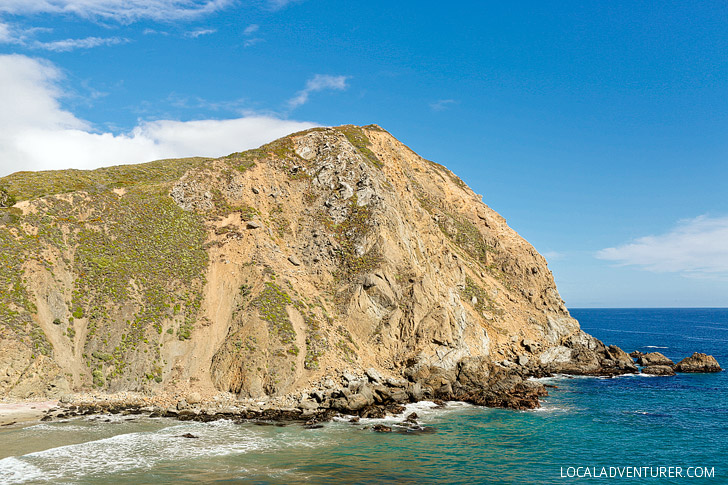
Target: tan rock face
[[327, 250]]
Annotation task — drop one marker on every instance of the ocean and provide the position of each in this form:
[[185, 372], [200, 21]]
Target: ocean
[[588, 429]]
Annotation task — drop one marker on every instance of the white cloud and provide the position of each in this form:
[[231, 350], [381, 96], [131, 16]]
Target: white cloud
[[199, 32], [695, 247], [37, 134], [318, 83], [67, 45], [124, 11]]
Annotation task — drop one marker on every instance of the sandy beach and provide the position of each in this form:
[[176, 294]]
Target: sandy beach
[[24, 412]]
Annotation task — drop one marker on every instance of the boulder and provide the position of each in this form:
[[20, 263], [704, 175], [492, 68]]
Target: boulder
[[253, 224], [698, 362], [636, 354], [653, 358], [374, 375], [356, 402], [658, 370]]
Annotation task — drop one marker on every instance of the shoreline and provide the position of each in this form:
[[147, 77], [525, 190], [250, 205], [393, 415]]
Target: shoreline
[[25, 412], [364, 394]]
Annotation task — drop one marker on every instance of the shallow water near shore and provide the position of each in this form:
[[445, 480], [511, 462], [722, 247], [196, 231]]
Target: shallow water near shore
[[629, 421]]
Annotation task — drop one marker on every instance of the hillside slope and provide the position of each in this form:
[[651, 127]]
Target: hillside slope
[[263, 272]]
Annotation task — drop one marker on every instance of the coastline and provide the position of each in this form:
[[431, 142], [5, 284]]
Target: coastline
[[364, 394]]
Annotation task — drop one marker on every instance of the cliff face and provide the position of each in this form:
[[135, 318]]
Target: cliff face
[[262, 272]]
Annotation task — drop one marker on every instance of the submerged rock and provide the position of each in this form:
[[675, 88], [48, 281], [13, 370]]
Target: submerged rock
[[698, 362]]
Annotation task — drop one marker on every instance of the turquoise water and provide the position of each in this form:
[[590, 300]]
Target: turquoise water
[[630, 421]]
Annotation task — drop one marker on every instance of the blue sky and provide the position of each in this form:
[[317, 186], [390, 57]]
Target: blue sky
[[598, 129]]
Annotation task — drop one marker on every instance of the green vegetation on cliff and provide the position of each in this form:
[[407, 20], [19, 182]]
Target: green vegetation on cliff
[[31, 185], [135, 260]]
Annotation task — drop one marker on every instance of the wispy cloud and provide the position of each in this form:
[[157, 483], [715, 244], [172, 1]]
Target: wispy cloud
[[123, 11], [6, 35], [251, 39], [67, 45], [37, 134], [237, 106], [317, 83], [442, 104], [11, 34], [278, 4], [251, 29], [200, 32], [553, 255], [695, 247]]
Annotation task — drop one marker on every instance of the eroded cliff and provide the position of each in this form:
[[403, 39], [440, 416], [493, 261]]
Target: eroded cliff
[[265, 272]]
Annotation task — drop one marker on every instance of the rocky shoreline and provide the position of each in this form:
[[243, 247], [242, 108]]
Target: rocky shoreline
[[368, 394]]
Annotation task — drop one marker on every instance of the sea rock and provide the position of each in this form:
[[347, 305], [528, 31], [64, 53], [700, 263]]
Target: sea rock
[[635, 354], [698, 362], [412, 418], [654, 358], [658, 370], [582, 354], [622, 358]]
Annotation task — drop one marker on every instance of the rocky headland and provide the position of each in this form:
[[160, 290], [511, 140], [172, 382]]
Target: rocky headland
[[331, 271]]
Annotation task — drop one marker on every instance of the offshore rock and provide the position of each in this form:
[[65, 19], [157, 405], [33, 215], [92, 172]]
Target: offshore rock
[[654, 358], [698, 362]]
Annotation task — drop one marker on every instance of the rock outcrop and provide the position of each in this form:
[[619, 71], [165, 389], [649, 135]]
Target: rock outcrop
[[658, 370], [283, 270], [698, 362], [654, 358]]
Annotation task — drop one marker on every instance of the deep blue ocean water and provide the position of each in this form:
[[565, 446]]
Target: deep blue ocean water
[[630, 421]]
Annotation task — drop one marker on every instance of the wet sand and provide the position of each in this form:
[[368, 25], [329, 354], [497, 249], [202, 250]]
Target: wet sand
[[24, 412]]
